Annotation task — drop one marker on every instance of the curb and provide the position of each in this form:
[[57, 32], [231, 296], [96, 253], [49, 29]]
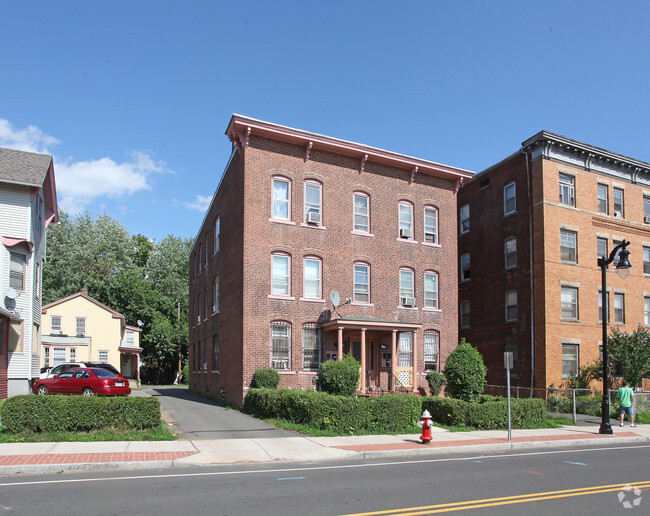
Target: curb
[[86, 466]]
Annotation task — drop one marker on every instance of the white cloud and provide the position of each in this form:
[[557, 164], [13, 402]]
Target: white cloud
[[79, 183], [202, 203]]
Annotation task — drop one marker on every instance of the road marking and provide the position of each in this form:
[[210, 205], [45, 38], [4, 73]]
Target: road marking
[[506, 500], [313, 468], [536, 473], [576, 463], [292, 478]]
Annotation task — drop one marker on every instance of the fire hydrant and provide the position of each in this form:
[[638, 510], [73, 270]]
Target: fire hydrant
[[425, 423]]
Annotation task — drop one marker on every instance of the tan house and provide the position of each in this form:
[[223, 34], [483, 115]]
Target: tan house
[[79, 328]]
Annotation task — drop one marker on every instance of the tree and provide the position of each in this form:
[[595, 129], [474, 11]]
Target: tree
[[339, 377], [465, 372], [630, 352]]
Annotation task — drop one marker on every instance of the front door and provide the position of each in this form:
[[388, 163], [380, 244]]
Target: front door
[[373, 369]]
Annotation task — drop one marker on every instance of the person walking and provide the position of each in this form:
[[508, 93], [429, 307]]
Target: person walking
[[626, 396]]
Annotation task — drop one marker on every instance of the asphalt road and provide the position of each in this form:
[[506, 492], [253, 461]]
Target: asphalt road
[[581, 482], [197, 417]]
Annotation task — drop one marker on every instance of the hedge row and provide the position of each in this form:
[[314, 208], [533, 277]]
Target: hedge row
[[388, 413], [488, 415], [78, 413]]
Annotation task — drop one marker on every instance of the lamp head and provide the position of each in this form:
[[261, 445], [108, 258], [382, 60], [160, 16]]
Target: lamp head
[[623, 266]]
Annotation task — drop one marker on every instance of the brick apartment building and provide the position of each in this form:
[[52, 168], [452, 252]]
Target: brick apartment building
[[530, 231], [298, 215]]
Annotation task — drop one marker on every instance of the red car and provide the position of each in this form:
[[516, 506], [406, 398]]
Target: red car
[[86, 381]]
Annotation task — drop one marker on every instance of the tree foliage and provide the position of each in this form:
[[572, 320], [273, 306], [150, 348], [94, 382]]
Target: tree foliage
[[630, 353], [143, 280], [465, 372]]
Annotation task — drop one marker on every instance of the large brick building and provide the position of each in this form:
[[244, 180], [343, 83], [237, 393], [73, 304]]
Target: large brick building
[[298, 215], [530, 231]]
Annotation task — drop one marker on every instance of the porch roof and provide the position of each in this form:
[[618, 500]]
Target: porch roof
[[370, 323]]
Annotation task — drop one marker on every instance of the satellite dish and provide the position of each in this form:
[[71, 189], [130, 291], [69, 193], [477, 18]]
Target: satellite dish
[[139, 322], [335, 298], [11, 293]]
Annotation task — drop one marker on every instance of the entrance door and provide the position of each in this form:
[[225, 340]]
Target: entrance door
[[373, 363]]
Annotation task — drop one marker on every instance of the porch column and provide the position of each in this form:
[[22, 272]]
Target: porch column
[[393, 362], [339, 355], [363, 360]]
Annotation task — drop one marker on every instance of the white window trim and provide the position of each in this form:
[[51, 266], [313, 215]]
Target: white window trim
[[288, 257], [354, 284], [506, 198], [409, 288], [436, 291], [288, 200], [436, 241], [319, 296], [307, 183], [408, 223]]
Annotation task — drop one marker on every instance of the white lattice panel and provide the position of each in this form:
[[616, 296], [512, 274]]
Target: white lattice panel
[[404, 377]]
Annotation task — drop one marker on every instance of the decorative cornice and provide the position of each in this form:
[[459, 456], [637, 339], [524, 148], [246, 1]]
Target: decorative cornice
[[413, 172], [459, 184], [362, 166], [308, 150]]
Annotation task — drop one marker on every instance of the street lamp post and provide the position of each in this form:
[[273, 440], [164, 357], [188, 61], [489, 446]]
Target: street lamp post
[[623, 270]]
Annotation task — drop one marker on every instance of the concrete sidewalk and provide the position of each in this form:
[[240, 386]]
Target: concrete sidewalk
[[70, 456]]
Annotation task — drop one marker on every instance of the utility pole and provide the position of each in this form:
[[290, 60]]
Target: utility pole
[[180, 368]]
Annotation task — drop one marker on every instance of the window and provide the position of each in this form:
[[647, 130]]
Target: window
[[17, 271], [207, 252], [130, 338], [199, 257], [514, 349], [313, 200], [646, 311], [406, 291], [646, 260], [619, 308], [510, 251], [280, 283], [46, 355], [205, 355], [431, 225], [102, 356], [281, 196], [569, 360], [509, 198], [464, 219], [568, 246], [310, 347], [37, 280], [15, 342], [603, 201], [215, 353], [567, 190], [600, 306], [464, 267], [406, 349], [58, 356], [431, 346], [511, 305], [601, 243], [73, 354], [361, 213], [406, 220], [215, 295], [569, 303], [217, 233], [619, 207], [55, 324], [80, 325], [312, 278], [280, 349], [430, 290], [464, 314], [646, 209], [361, 283], [617, 256]]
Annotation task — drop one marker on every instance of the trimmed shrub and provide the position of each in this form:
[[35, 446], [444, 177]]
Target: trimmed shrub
[[78, 413], [186, 374], [436, 381], [340, 414], [490, 415], [265, 378], [340, 378], [465, 372]]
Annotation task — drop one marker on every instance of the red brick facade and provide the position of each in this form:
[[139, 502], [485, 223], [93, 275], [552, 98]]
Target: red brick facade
[[557, 326], [250, 235]]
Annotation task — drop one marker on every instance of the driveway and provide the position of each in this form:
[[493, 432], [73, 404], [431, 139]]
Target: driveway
[[197, 417]]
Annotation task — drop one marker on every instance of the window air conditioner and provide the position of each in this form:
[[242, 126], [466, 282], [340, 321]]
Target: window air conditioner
[[646, 220], [405, 233], [313, 218], [618, 214], [407, 301]]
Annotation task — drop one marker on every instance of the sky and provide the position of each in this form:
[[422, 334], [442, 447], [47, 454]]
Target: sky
[[132, 98]]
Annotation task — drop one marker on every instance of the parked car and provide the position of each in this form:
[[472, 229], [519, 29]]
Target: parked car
[[87, 381], [48, 372]]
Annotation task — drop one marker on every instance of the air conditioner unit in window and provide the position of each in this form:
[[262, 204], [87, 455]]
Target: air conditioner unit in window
[[405, 233], [618, 214], [407, 301], [646, 220], [313, 218]]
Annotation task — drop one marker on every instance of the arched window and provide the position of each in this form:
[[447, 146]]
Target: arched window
[[431, 349], [280, 274], [281, 345], [431, 289], [430, 225], [281, 208], [361, 290]]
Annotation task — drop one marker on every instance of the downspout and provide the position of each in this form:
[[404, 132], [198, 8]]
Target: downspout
[[532, 282]]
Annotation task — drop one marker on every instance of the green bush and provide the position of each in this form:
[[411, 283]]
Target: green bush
[[436, 382], [388, 413], [265, 378], [489, 415], [339, 377], [78, 413], [186, 374], [465, 372]]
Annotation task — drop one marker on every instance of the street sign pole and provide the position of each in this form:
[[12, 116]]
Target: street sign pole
[[508, 363]]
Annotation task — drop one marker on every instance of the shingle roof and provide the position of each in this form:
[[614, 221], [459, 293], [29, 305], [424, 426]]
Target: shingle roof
[[24, 168]]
